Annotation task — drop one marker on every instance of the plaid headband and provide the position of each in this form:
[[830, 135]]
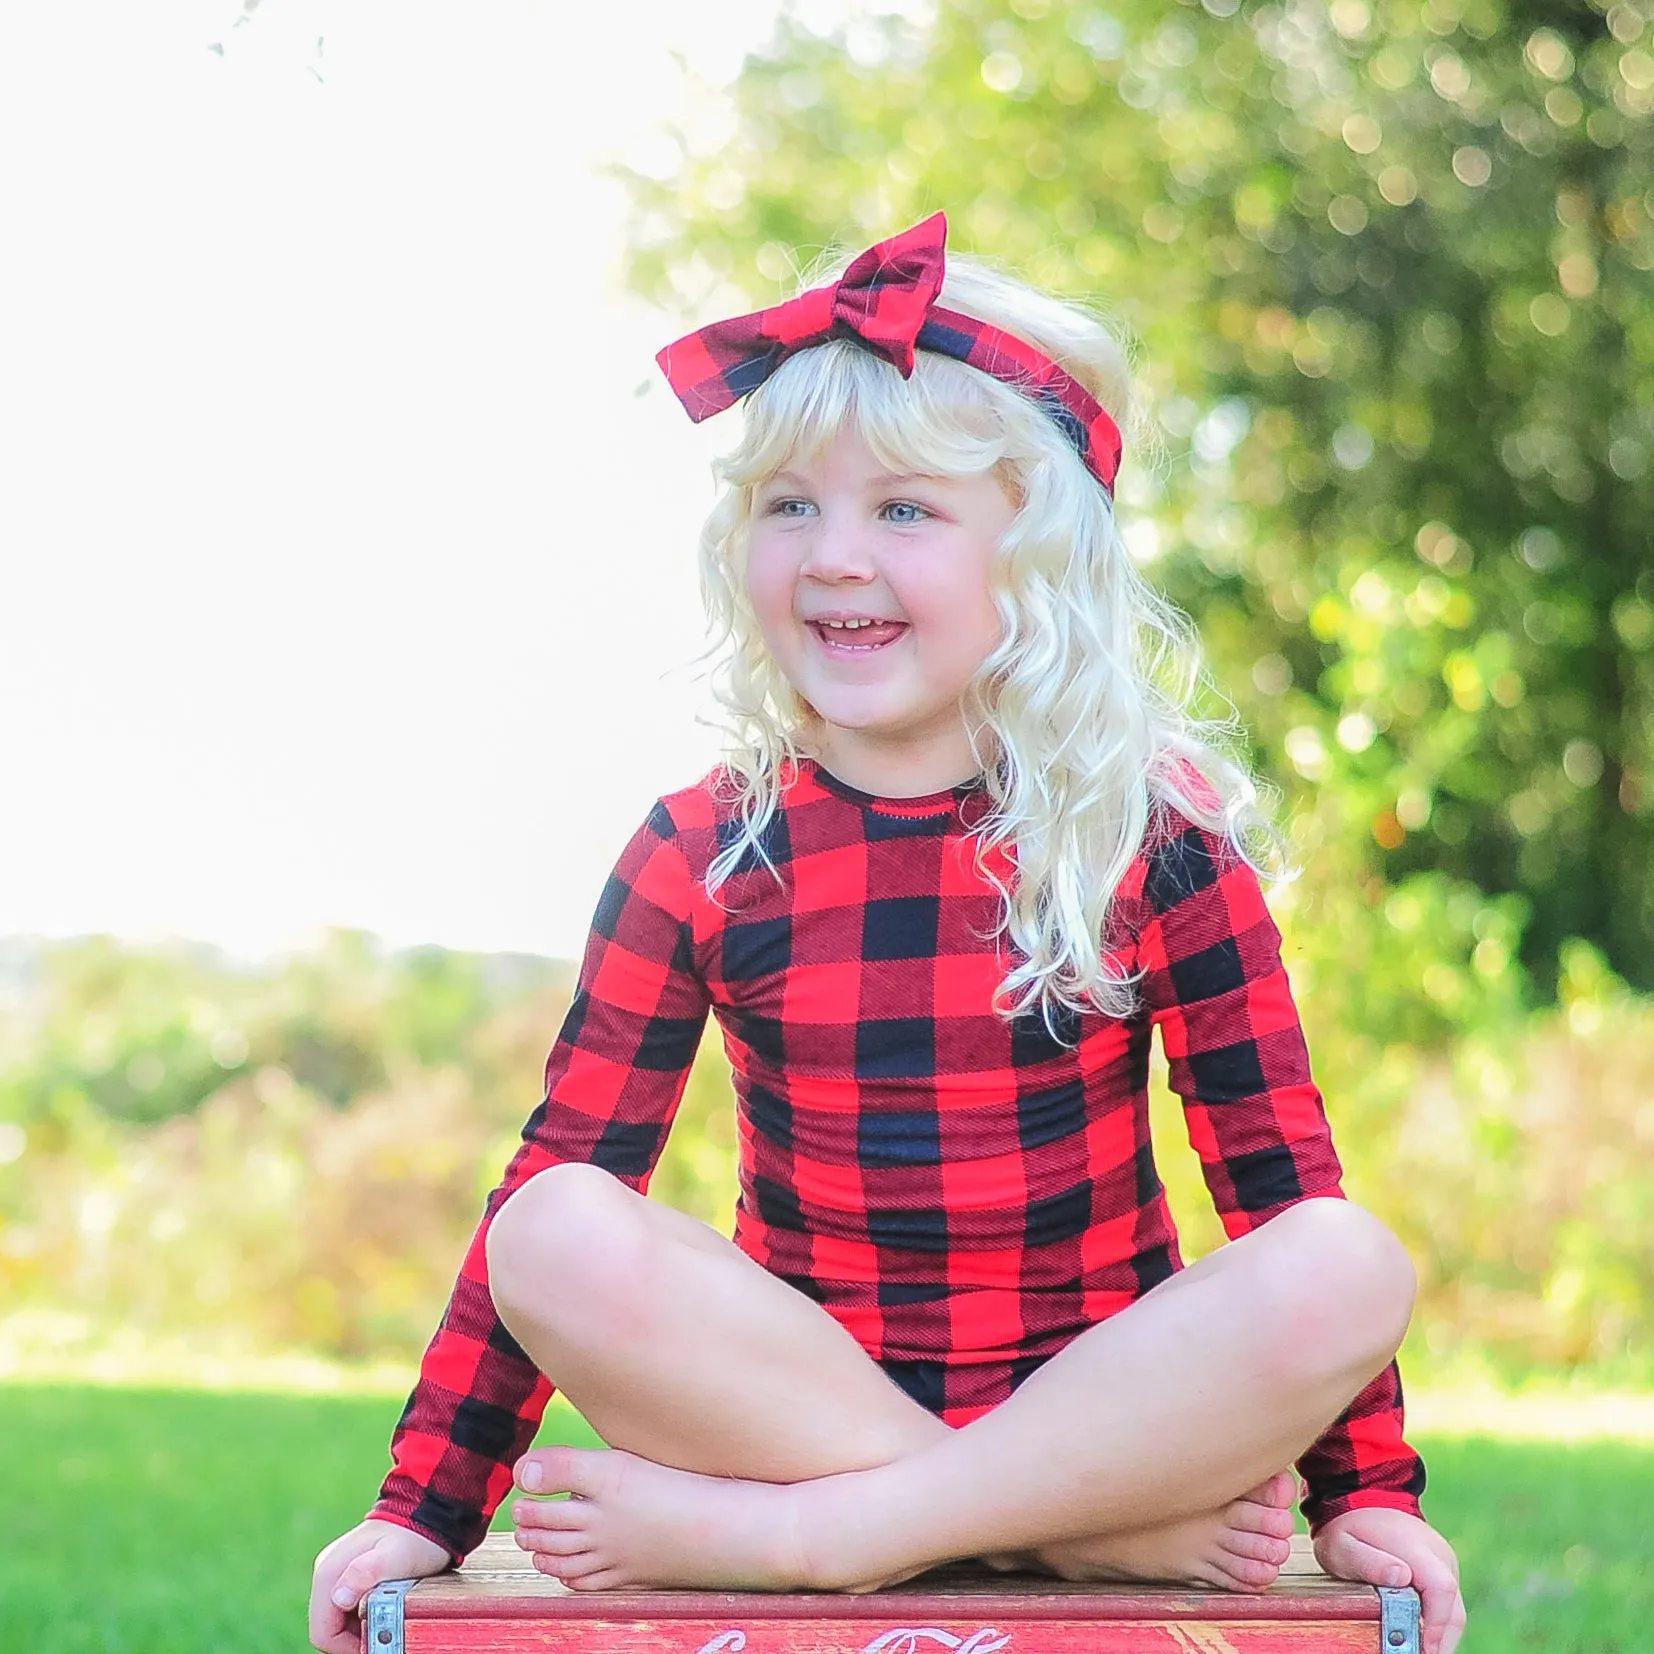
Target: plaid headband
[[886, 302]]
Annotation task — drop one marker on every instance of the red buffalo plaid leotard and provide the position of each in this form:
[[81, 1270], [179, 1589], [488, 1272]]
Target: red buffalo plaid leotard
[[964, 1194]]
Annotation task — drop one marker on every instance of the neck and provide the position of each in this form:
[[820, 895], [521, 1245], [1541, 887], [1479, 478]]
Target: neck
[[893, 770]]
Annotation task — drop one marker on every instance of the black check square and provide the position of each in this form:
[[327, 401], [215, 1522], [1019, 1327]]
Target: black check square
[[1179, 870], [762, 948], [1264, 1178], [1213, 971], [1229, 1073], [627, 1149], [893, 1048], [909, 1138], [901, 927]]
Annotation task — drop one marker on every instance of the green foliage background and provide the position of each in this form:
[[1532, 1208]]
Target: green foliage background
[[1388, 268], [226, 1159]]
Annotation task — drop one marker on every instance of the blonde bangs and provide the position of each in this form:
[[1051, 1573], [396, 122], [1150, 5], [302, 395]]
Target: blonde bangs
[[944, 421]]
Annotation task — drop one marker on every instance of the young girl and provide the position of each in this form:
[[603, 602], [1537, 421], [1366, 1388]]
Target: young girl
[[971, 846]]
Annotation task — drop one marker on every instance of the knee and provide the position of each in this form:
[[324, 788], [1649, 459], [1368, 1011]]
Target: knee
[[563, 1245], [1346, 1282]]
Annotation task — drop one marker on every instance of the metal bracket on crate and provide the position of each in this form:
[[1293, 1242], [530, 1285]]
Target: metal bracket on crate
[[382, 1617], [1398, 1608]]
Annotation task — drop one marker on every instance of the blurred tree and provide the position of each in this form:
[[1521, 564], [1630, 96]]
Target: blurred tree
[[1517, 1168], [1389, 263], [142, 1034]]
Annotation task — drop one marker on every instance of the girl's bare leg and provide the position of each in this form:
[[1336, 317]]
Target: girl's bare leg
[[1154, 1421], [680, 1349], [675, 1345]]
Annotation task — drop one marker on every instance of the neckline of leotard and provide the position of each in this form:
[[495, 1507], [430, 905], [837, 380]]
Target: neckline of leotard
[[937, 803]]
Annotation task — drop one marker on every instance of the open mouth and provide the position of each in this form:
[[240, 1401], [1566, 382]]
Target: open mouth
[[864, 639]]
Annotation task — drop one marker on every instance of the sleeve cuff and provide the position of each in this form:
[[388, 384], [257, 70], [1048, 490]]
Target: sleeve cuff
[[1374, 1500], [381, 1513]]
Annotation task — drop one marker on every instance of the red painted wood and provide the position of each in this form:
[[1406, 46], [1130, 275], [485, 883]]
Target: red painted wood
[[500, 1603], [893, 1636], [623, 1607]]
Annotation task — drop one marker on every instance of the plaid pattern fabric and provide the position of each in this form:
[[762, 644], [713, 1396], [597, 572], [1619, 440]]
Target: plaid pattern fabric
[[958, 1191], [885, 300], [880, 300], [1083, 419]]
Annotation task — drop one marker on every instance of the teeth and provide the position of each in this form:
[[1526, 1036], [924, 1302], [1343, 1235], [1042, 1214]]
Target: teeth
[[848, 625]]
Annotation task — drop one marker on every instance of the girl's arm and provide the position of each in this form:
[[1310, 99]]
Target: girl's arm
[[613, 1083], [1215, 984]]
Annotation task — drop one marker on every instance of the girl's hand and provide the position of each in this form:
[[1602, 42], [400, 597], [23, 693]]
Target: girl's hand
[[1389, 1547], [352, 1565]]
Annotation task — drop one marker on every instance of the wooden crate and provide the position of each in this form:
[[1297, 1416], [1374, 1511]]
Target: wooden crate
[[498, 1602]]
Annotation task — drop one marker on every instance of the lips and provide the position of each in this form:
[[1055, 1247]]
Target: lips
[[860, 640]]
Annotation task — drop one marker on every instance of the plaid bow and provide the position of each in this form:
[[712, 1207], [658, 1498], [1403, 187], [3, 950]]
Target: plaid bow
[[885, 301]]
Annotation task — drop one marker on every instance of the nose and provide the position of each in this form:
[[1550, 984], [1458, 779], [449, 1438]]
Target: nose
[[838, 550]]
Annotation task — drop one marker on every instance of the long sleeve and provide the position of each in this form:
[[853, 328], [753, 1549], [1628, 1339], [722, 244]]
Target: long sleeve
[[613, 1083], [1215, 985]]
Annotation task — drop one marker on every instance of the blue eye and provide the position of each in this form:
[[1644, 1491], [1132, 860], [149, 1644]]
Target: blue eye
[[784, 508], [904, 507]]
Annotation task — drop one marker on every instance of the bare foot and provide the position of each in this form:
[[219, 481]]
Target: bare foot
[[633, 1522], [1238, 1547]]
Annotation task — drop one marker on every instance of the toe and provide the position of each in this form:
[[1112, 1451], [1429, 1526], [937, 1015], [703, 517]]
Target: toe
[[1248, 1572], [565, 1470], [549, 1542], [544, 1470], [579, 1571], [1280, 1490], [1253, 1518], [605, 1579], [1005, 1562], [1258, 1547], [565, 1514]]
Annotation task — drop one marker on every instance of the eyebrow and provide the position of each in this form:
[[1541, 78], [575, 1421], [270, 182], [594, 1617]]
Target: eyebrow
[[885, 481]]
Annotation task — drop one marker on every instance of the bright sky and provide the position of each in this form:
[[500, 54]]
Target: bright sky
[[346, 577]]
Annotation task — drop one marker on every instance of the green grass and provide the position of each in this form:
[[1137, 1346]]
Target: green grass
[[169, 1522]]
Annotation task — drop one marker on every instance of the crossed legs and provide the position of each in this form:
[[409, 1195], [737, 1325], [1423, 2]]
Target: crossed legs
[[756, 1444]]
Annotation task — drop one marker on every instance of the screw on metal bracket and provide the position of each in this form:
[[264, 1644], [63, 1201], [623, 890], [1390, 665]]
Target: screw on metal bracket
[[1398, 1608], [382, 1622]]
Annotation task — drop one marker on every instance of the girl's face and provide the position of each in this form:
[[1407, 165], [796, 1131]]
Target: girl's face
[[836, 542]]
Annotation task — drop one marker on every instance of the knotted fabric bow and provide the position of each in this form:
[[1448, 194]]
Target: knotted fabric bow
[[886, 302]]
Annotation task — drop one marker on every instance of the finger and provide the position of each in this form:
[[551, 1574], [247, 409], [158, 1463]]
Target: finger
[[1352, 1558], [359, 1576], [332, 1629], [1453, 1630], [1438, 1600]]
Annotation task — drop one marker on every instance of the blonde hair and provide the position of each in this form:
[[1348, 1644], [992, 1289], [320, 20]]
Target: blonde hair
[[1088, 699]]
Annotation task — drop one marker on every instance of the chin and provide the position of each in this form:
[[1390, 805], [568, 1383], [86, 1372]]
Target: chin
[[866, 724]]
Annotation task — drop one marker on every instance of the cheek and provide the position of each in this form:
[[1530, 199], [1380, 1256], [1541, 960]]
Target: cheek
[[983, 638], [959, 613], [769, 587]]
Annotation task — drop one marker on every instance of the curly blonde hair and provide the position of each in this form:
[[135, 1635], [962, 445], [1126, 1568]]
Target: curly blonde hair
[[1082, 718]]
